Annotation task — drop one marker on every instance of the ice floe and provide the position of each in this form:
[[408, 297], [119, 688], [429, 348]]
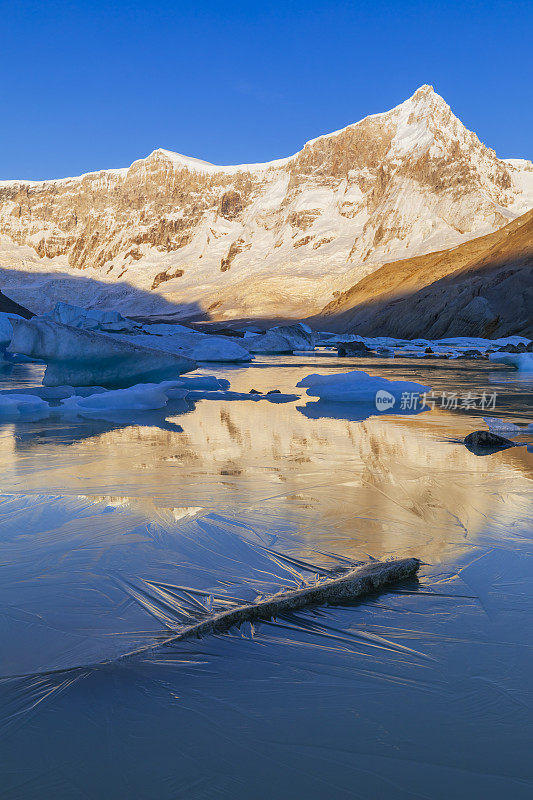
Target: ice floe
[[452, 347], [357, 386], [192, 344], [523, 362], [143, 397], [169, 329], [27, 406], [203, 382], [85, 358], [282, 339], [220, 349], [502, 428], [6, 329], [97, 402]]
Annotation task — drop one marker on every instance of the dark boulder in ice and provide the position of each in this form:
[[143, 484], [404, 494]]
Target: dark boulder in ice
[[484, 442]]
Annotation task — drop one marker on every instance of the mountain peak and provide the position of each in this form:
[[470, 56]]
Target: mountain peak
[[281, 236], [424, 91], [426, 98]]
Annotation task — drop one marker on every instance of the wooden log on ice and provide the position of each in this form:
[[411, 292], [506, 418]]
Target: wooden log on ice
[[352, 585]]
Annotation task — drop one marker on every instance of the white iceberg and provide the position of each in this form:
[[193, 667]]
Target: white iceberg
[[360, 387], [195, 345], [91, 319], [523, 362], [168, 329], [31, 403], [143, 397], [16, 406], [282, 339], [85, 358], [219, 348], [6, 328]]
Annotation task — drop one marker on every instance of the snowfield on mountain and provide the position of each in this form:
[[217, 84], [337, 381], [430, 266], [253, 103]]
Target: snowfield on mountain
[[284, 238]]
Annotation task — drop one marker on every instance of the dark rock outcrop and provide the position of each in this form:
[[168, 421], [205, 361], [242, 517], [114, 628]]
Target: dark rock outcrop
[[353, 349]]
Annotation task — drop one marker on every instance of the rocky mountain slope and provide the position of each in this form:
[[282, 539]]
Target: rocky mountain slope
[[275, 239], [481, 288]]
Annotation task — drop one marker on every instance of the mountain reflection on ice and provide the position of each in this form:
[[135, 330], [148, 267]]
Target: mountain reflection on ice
[[420, 692]]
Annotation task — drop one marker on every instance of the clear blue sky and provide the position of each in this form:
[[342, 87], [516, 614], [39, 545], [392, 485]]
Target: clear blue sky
[[89, 85]]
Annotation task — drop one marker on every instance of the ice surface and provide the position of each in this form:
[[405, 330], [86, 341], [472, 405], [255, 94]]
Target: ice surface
[[523, 362], [85, 358], [357, 386], [112, 537]]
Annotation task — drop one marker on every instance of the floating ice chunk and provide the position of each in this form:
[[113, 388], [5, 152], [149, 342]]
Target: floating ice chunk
[[85, 358], [337, 338], [23, 405], [143, 397], [461, 343], [502, 428], [523, 362], [211, 348], [6, 328], [45, 393], [6, 331], [168, 329], [359, 387], [283, 339], [208, 382], [195, 345]]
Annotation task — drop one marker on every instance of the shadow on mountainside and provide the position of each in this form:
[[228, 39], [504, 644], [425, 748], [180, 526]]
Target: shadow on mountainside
[[8, 306], [492, 302], [27, 293], [483, 287]]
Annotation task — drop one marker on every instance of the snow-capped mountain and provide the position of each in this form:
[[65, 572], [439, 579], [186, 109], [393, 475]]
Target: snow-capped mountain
[[273, 239]]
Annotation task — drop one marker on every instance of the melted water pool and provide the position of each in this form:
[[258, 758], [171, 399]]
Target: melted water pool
[[107, 525]]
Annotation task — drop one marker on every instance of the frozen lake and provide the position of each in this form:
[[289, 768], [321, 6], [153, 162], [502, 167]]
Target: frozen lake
[[106, 525]]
